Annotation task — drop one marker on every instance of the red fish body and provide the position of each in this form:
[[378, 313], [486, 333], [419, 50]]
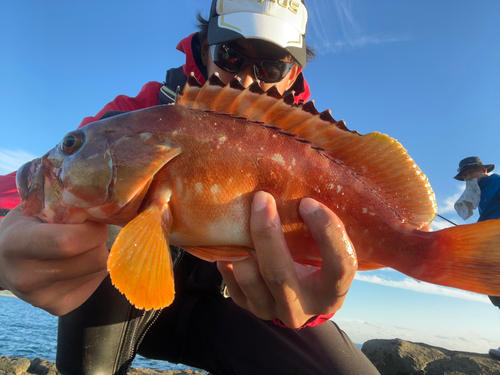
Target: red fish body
[[186, 174]]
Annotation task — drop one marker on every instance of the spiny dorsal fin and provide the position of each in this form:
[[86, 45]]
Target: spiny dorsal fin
[[376, 158]]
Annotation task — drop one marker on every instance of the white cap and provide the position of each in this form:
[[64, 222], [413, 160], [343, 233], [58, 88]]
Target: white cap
[[282, 22]]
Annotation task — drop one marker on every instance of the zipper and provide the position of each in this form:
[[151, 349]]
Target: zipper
[[151, 320]]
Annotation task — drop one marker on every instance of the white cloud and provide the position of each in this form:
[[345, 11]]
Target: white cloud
[[448, 204], [466, 340], [334, 28], [11, 160], [423, 287]]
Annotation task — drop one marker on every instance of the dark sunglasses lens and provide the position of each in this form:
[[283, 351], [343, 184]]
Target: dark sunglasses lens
[[271, 71], [227, 58]]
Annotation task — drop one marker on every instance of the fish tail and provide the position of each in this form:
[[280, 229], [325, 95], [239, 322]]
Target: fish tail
[[466, 257]]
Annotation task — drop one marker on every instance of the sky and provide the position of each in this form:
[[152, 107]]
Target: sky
[[425, 73]]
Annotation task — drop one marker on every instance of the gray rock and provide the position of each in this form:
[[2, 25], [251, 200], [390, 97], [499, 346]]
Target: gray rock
[[39, 366], [399, 357]]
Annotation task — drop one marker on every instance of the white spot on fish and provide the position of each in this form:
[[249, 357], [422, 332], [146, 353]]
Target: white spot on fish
[[278, 159], [339, 188], [215, 190], [223, 138], [198, 187], [331, 186], [365, 210], [178, 184], [174, 132]]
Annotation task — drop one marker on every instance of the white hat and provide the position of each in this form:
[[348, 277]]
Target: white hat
[[282, 22]]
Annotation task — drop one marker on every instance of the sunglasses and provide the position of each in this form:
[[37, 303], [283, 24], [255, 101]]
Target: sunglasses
[[231, 60]]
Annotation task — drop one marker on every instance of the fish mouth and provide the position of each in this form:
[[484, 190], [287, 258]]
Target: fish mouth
[[30, 185]]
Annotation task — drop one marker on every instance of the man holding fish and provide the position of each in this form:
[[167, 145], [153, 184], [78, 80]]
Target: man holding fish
[[61, 268]]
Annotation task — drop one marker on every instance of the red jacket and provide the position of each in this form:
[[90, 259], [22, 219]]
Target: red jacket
[[148, 97]]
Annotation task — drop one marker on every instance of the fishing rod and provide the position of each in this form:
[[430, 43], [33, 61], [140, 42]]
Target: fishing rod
[[449, 221]]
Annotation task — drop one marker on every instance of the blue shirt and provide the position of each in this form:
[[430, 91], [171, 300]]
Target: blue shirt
[[489, 206]]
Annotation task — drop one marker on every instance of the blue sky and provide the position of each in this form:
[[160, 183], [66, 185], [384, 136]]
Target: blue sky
[[425, 72]]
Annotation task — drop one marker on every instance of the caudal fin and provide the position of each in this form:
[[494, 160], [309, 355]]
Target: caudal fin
[[467, 257]]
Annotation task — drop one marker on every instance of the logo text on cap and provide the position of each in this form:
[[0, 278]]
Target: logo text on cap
[[291, 5]]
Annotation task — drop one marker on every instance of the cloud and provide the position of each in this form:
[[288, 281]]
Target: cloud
[[334, 28], [448, 204], [439, 224], [423, 287], [11, 160], [360, 331]]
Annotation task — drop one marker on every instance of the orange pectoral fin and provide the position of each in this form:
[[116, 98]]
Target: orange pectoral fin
[[140, 264], [214, 253]]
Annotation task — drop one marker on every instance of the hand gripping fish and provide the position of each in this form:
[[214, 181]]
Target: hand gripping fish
[[185, 175]]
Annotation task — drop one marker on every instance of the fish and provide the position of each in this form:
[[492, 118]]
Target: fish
[[185, 174]]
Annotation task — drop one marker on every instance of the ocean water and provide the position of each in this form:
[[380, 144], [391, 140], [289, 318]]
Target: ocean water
[[29, 332]]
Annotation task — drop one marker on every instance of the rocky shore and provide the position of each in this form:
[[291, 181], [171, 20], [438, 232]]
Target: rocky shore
[[391, 357], [399, 357]]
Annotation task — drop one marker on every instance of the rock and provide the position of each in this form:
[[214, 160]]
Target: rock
[[43, 367], [399, 357], [14, 365], [39, 366]]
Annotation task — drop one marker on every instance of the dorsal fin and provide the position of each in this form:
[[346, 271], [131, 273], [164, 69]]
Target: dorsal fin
[[376, 158]]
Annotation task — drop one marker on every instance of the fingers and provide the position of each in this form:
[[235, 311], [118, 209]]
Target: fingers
[[34, 239], [339, 257], [87, 263], [275, 262], [47, 264], [247, 287], [267, 283], [61, 298]]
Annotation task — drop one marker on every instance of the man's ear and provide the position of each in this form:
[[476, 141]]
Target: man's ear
[[204, 51], [292, 75]]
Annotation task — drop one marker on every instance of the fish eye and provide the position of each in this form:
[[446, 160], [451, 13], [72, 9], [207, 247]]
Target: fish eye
[[72, 142]]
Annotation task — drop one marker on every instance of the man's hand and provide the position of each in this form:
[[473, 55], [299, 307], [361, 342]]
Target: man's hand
[[271, 285], [52, 266]]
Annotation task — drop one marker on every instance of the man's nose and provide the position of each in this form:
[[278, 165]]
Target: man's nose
[[246, 75]]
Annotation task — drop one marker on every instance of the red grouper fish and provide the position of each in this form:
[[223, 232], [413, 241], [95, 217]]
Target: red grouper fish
[[185, 175]]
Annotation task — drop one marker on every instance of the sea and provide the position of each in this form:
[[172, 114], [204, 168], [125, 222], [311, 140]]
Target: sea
[[26, 331]]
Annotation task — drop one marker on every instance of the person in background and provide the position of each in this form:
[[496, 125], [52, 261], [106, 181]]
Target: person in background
[[489, 203]]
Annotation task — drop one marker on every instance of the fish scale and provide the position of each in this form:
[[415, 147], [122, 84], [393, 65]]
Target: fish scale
[[185, 175]]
